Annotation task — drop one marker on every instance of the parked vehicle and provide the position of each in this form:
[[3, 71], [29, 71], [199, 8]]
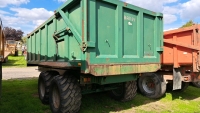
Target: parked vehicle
[[92, 46], [2, 54], [11, 47], [181, 57]]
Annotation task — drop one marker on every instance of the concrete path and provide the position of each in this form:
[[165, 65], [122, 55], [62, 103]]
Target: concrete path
[[15, 73]]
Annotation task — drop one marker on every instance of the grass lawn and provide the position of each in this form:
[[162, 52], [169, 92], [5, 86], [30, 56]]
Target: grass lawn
[[20, 96], [15, 61]]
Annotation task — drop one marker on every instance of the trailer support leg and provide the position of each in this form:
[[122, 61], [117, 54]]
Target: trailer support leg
[[177, 79]]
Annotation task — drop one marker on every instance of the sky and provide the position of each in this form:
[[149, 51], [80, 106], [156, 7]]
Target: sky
[[26, 15]]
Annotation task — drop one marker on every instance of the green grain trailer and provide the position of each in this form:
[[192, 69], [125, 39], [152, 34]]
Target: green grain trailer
[[91, 46]]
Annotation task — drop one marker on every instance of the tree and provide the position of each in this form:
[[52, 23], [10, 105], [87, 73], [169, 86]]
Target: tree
[[188, 24], [13, 34], [24, 40]]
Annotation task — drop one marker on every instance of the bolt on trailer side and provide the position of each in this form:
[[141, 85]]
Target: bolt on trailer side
[[97, 45], [181, 56]]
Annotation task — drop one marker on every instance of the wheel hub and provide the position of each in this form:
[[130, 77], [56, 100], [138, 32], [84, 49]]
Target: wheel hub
[[148, 85]]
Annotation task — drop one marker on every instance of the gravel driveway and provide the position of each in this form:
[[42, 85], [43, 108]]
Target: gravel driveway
[[14, 73]]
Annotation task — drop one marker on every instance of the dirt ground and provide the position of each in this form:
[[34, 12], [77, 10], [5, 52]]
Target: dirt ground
[[15, 73]]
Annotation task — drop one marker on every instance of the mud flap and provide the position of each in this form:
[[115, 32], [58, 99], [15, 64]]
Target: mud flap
[[177, 82]]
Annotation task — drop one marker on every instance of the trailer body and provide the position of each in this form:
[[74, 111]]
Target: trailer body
[[101, 37], [181, 54]]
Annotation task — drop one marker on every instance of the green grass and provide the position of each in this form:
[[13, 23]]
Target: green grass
[[15, 61], [20, 96]]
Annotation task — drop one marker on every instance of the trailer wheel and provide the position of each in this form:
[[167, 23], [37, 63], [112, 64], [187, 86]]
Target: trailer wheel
[[196, 84], [151, 85], [44, 82], [5, 60], [65, 95], [126, 91]]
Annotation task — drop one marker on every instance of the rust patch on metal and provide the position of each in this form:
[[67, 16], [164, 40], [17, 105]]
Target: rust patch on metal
[[125, 4], [120, 69], [195, 77], [56, 64], [107, 59], [83, 29], [153, 13], [88, 62]]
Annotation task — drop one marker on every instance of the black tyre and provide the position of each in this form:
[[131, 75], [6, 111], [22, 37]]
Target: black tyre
[[151, 85], [126, 91], [5, 60], [184, 86], [196, 84], [65, 95], [16, 53], [44, 82]]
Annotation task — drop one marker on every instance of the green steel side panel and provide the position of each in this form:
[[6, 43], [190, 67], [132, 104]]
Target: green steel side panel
[[33, 47], [106, 41], [149, 38], [60, 24], [38, 50], [42, 47], [75, 52], [62, 54], [127, 38], [130, 34], [123, 34], [75, 17], [28, 49], [51, 43], [63, 44], [43, 44]]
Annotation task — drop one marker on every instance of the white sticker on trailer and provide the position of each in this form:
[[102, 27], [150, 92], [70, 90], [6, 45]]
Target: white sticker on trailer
[[129, 23], [184, 53]]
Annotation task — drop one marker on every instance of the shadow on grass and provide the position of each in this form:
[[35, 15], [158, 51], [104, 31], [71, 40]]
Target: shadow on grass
[[10, 63], [190, 93], [102, 103], [15, 61]]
